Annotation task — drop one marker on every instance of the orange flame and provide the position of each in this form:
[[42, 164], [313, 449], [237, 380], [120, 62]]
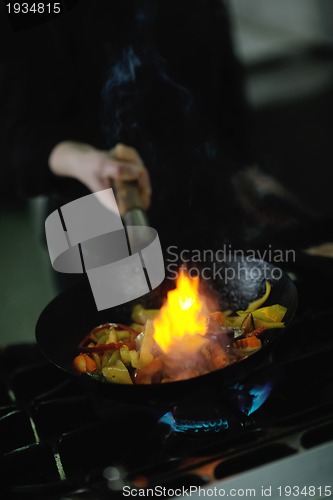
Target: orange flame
[[182, 315]]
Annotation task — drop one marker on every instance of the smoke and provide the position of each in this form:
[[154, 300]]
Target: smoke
[[143, 103]]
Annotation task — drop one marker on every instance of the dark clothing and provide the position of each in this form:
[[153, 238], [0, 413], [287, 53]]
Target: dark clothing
[[158, 75], [56, 98], [64, 66]]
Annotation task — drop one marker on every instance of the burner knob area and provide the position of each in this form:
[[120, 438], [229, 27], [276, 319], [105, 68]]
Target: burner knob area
[[115, 477]]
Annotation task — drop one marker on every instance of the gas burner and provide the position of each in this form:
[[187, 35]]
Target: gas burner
[[249, 397], [203, 421], [181, 423]]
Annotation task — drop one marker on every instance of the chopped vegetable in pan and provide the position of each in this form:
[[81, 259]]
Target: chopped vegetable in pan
[[128, 354]]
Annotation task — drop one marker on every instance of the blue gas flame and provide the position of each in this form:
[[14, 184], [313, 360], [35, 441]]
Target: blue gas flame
[[259, 393], [194, 426]]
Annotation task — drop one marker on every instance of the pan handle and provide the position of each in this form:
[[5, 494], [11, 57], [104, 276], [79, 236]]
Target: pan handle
[[135, 215]]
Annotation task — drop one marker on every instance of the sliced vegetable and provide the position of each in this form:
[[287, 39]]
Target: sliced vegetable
[[83, 364], [117, 374], [259, 302], [248, 323], [218, 317], [150, 373], [124, 354], [146, 356], [137, 327], [252, 341], [134, 358], [270, 317], [122, 335], [103, 337], [141, 315], [108, 339], [110, 358], [256, 332], [268, 324], [218, 356], [112, 337], [274, 313], [97, 360]]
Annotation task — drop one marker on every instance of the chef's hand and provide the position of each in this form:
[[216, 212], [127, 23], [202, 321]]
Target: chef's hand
[[99, 170]]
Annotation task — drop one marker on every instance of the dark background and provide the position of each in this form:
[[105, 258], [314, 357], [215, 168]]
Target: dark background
[[287, 52], [294, 136]]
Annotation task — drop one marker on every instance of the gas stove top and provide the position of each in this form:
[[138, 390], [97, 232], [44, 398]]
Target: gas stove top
[[273, 435]]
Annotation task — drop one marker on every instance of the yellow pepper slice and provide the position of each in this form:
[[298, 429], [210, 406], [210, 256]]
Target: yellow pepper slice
[[268, 324], [117, 374], [259, 302], [271, 313], [146, 356]]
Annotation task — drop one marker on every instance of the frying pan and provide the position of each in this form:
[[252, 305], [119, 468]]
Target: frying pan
[[72, 314]]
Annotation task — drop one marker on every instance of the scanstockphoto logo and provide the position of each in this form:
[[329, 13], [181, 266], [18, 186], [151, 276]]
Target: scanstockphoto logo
[[88, 235], [227, 264]]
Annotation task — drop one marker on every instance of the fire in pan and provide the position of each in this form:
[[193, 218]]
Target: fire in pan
[[65, 322]]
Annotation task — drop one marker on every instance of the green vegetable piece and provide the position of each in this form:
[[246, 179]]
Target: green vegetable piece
[[273, 313], [125, 354], [122, 335], [141, 315], [117, 374], [103, 338], [110, 358], [134, 356]]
